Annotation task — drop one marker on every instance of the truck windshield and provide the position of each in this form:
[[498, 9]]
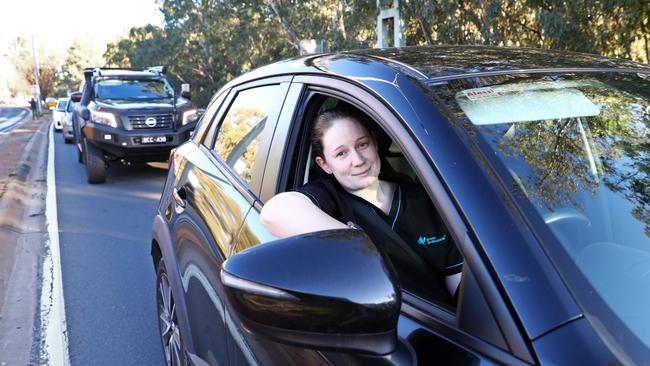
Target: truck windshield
[[576, 149], [114, 88]]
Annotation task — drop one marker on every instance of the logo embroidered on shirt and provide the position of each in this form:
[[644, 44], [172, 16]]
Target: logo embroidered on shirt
[[424, 241]]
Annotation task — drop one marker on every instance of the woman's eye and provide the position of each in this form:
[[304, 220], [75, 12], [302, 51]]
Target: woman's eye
[[363, 145], [340, 154]]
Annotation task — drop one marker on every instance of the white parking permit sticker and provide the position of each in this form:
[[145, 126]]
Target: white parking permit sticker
[[480, 93]]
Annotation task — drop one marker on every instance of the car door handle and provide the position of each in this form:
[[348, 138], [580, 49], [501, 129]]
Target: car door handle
[[179, 196]]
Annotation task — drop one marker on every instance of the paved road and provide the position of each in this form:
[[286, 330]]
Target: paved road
[[108, 276], [9, 116]]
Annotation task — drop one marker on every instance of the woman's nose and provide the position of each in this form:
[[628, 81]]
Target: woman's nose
[[357, 158]]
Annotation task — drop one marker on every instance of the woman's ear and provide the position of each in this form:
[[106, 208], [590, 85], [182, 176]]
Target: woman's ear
[[323, 165]]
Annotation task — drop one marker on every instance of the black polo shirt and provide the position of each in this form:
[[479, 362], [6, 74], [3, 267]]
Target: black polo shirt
[[412, 217]]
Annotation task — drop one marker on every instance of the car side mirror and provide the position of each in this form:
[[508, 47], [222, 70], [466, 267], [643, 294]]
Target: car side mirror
[[328, 290], [85, 113], [76, 97]]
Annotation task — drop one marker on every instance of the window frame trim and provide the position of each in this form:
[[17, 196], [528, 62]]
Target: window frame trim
[[200, 136]]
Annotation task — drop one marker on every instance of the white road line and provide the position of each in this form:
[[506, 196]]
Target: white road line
[[53, 324]]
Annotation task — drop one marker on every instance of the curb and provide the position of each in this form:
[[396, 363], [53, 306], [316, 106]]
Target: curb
[[22, 234]]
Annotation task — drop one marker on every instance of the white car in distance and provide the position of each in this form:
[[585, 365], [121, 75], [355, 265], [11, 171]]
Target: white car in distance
[[58, 114]]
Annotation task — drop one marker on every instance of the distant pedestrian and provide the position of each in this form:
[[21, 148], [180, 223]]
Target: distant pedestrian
[[32, 106]]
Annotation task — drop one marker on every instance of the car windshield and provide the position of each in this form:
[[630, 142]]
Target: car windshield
[[60, 106], [577, 149], [69, 106], [121, 88]]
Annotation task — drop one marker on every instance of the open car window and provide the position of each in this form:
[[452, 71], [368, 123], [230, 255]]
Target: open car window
[[409, 257]]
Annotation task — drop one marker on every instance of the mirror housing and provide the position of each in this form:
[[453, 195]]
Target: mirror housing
[[185, 91], [85, 114], [76, 97], [327, 290]]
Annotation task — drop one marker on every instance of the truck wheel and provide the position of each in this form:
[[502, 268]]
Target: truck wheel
[[95, 165]]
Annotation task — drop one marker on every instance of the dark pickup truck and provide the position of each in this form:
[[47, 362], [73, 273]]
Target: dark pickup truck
[[129, 115]]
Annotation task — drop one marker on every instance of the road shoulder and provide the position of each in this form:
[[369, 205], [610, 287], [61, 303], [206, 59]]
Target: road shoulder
[[22, 234]]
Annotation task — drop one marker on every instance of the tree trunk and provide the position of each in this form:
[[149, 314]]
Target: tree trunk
[[647, 48], [341, 22]]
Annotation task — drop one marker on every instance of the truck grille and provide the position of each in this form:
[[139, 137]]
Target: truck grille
[[162, 121]]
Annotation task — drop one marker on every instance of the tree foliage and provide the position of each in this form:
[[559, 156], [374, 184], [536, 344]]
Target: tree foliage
[[23, 62], [81, 54], [208, 42]]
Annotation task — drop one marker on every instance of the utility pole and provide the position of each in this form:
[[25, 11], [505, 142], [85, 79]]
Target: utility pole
[[389, 26], [36, 90]]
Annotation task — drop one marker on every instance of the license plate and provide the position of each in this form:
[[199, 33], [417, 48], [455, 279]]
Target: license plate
[[154, 139]]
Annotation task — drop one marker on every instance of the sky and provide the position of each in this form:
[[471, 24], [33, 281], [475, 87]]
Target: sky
[[56, 23]]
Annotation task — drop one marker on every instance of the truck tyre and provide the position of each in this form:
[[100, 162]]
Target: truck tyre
[[95, 165]]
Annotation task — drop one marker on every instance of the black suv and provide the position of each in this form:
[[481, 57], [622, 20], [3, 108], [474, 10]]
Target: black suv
[[537, 162], [129, 115]]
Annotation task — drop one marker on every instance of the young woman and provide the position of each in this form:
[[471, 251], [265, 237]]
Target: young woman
[[347, 153]]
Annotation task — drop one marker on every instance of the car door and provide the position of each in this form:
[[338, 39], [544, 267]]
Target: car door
[[214, 187], [468, 334], [248, 348]]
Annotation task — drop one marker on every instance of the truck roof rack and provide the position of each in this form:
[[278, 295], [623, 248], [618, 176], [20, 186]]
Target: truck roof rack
[[97, 71]]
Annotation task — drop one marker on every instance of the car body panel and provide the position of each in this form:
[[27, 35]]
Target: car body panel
[[198, 256], [68, 128]]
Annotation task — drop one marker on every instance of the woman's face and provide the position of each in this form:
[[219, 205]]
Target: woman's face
[[350, 155]]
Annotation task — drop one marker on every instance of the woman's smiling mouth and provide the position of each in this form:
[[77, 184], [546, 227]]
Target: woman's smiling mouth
[[362, 174]]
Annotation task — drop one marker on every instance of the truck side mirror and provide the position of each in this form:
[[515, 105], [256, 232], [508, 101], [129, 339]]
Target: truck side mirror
[[185, 91]]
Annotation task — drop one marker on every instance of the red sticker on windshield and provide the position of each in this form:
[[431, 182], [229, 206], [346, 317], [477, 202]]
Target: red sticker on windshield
[[480, 93]]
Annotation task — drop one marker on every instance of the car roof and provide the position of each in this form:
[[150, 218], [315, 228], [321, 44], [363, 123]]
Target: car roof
[[431, 63], [452, 60]]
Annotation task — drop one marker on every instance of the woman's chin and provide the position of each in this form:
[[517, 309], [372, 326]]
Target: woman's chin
[[359, 183]]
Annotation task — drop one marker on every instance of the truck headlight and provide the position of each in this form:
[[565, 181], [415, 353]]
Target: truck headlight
[[104, 118], [190, 116]]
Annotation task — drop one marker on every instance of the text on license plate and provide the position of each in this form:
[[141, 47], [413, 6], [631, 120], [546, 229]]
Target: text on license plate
[[154, 139]]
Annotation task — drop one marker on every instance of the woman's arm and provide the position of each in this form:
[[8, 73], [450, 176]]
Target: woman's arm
[[293, 213]]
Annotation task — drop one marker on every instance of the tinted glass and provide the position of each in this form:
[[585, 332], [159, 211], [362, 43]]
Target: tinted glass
[[60, 105], [69, 106], [242, 129], [208, 116], [110, 88], [577, 148]]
